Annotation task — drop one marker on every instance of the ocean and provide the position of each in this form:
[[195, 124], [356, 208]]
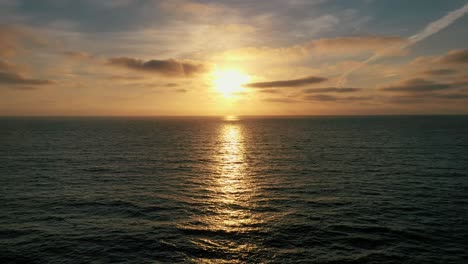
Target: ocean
[[376, 189]]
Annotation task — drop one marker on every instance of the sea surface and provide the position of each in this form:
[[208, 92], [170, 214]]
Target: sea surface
[[234, 190]]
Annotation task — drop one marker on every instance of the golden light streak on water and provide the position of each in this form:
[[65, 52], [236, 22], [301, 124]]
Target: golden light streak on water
[[231, 183], [232, 189]]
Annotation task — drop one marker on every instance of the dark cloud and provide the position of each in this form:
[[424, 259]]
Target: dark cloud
[[456, 57], [287, 83], [321, 97], [332, 90], [181, 90], [418, 85], [270, 91], [170, 68], [11, 78], [10, 74], [438, 72], [281, 100], [331, 98]]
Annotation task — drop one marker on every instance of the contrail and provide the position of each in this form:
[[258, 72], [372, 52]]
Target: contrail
[[431, 29]]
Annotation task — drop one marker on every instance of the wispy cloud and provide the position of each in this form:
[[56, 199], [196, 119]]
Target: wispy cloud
[[438, 25], [329, 47], [431, 29]]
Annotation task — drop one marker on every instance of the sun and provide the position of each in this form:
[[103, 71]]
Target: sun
[[229, 82]]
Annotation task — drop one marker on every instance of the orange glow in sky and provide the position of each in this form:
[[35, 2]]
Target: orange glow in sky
[[219, 57]]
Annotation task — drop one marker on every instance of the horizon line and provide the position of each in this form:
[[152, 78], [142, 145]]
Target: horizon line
[[221, 116]]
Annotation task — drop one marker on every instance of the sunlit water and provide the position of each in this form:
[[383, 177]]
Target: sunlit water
[[234, 190]]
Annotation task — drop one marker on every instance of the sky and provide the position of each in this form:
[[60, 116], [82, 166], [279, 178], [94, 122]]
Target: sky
[[233, 57]]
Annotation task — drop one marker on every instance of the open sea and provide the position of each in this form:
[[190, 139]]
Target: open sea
[[234, 190]]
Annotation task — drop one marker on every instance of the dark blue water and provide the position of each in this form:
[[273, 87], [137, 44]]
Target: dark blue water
[[253, 190]]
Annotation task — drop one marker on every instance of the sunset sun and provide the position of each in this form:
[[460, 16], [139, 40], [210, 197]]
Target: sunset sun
[[228, 82]]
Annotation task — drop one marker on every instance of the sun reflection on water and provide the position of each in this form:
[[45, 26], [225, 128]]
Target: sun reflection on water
[[232, 185], [231, 209]]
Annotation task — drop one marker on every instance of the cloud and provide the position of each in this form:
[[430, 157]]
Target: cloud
[[453, 58], [270, 91], [11, 78], [287, 83], [417, 85], [439, 72], [332, 47], [170, 68], [280, 100], [431, 29], [456, 57], [332, 90], [10, 74], [331, 98], [439, 24]]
